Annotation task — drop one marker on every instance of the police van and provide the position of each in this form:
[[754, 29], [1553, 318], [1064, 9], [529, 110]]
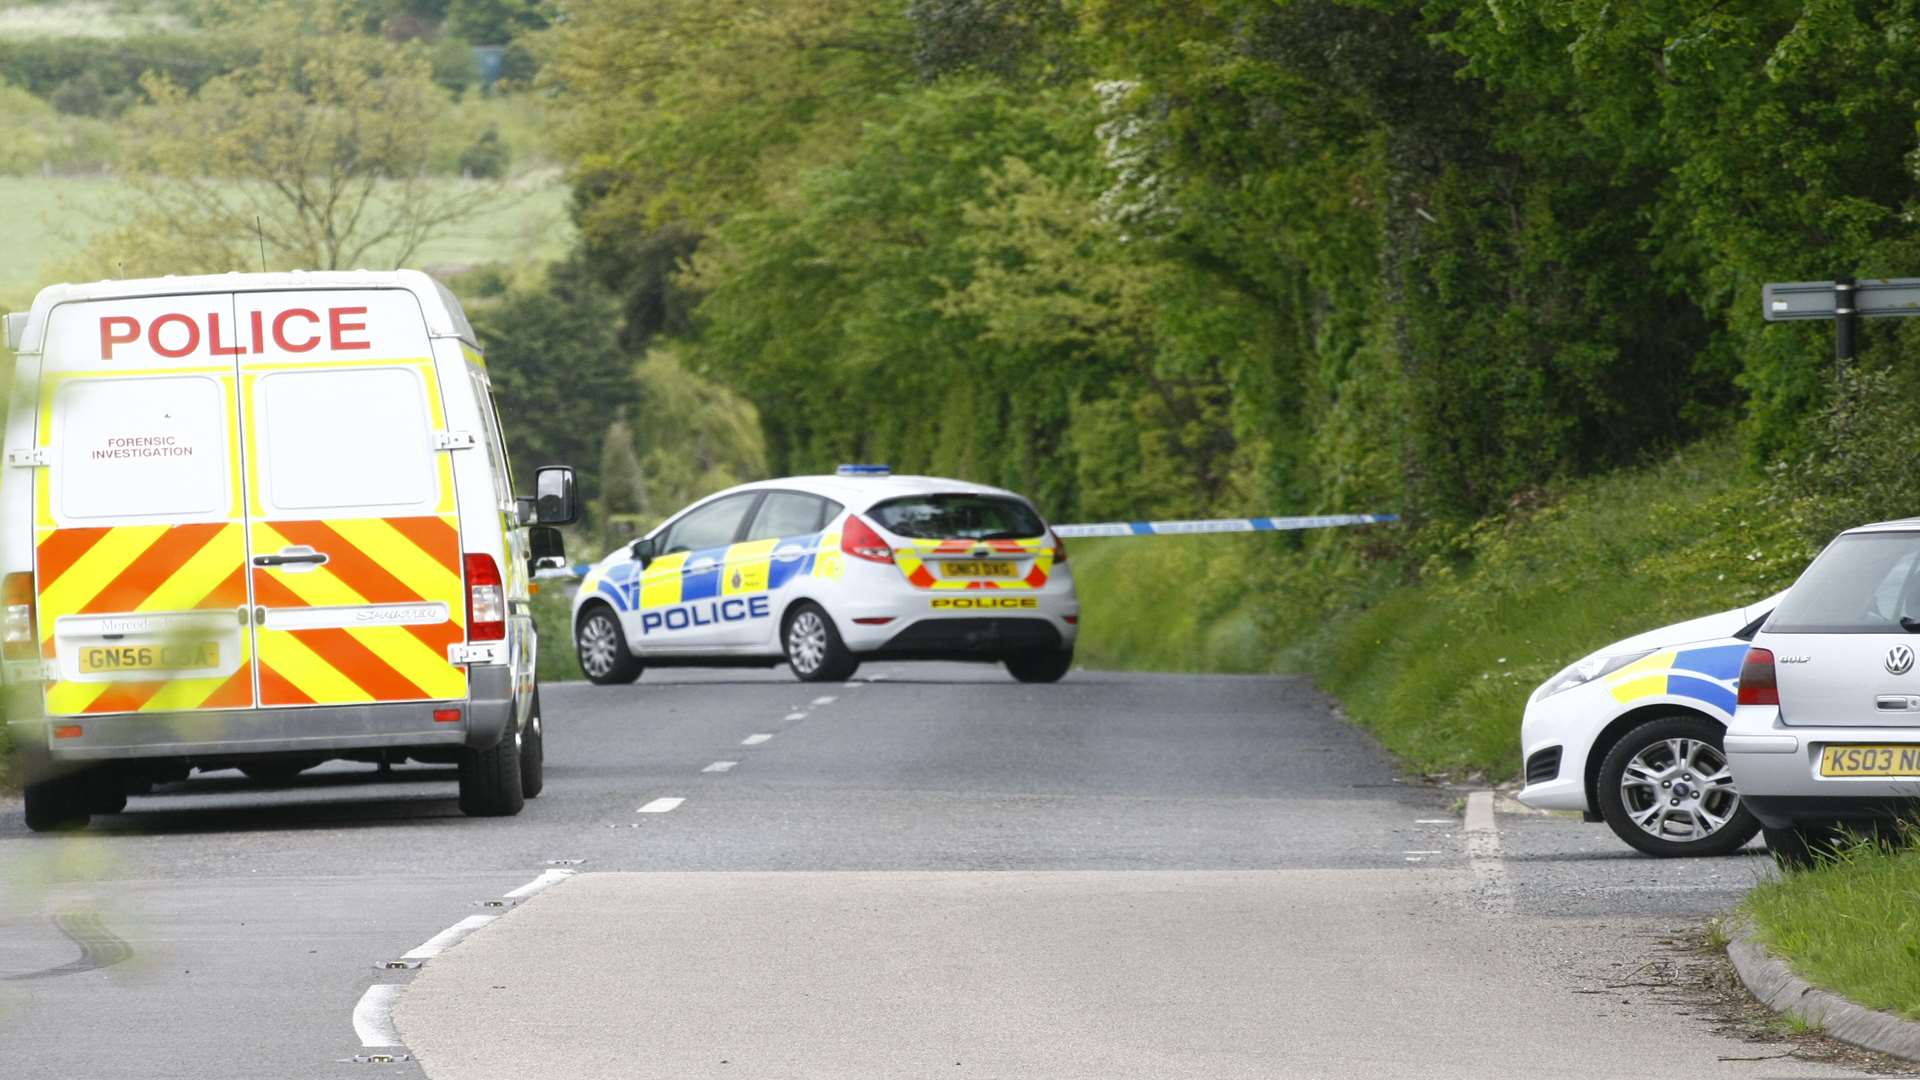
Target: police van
[[263, 521]]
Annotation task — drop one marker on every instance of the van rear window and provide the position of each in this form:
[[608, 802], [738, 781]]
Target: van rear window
[[346, 438], [141, 447], [958, 516], [1864, 583]]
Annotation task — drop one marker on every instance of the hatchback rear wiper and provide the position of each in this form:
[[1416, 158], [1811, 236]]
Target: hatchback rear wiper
[[1911, 626]]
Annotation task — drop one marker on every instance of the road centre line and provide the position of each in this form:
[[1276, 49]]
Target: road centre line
[[373, 1016], [795, 716], [1483, 852], [828, 700], [1433, 821], [660, 806], [1413, 852], [546, 878], [720, 766], [448, 938], [754, 740]]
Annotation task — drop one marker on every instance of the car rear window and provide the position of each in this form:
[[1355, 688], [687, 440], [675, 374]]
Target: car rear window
[[1864, 583], [958, 516]]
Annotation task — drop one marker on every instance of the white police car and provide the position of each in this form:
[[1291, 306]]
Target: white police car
[[1632, 735], [827, 571]]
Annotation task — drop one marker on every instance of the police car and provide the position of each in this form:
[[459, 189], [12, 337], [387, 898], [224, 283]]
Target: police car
[[1632, 735], [824, 572]]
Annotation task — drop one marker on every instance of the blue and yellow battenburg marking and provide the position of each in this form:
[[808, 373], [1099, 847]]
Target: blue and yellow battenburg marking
[[1708, 675], [672, 586]]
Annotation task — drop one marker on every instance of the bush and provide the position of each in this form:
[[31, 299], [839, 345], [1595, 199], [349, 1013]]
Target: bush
[[487, 158], [114, 66]]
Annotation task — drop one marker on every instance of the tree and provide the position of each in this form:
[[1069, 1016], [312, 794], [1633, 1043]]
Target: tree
[[623, 482], [316, 151]]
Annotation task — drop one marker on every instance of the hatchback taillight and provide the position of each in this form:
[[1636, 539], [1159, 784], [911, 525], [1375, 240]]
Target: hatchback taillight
[[17, 639], [858, 539], [486, 600], [1757, 683]]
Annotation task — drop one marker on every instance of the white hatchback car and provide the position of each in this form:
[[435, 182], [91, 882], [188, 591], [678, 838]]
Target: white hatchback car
[[827, 571], [1827, 732], [1631, 735]]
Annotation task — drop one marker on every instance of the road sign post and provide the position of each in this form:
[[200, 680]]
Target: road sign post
[[1843, 301]]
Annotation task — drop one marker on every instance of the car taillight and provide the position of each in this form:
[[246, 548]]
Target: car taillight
[[486, 600], [1757, 683], [1059, 548], [17, 639], [858, 539]]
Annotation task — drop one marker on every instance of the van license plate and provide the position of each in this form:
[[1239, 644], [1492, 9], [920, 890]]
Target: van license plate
[[977, 569], [178, 657], [1870, 760]]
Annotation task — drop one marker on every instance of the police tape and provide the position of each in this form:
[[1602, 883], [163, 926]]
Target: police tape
[[1220, 525]]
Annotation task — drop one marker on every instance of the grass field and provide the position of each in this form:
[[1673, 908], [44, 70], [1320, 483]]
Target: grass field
[[1851, 925], [45, 219]]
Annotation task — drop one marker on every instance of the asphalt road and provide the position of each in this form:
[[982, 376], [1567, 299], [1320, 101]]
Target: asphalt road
[[930, 869]]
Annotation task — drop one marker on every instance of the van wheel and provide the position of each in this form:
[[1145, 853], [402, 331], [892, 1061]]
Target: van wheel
[[490, 780], [533, 752], [602, 648], [58, 804], [814, 649], [106, 794], [1665, 789], [1041, 667]]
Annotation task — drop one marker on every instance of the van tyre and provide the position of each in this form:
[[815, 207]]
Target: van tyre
[[490, 782], [106, 794], [533, 752], [57, 805], [602, 649], [814, 649], [1665, 789], [1041, 667]]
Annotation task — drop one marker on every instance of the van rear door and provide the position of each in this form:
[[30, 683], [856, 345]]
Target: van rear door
[[139, 530], [355, 537]]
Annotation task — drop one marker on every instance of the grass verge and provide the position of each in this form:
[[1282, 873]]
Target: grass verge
[[1851, 926]]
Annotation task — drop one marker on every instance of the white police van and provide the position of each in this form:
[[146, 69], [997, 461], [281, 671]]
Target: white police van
[[261, 521], [827, 571]]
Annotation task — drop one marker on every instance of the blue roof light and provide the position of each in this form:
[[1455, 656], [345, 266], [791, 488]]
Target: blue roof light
[[864, 470]]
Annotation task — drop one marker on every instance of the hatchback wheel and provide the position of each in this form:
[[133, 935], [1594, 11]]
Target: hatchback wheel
[[1665, 789], [814, 649], [1040, 667], [602, 648]]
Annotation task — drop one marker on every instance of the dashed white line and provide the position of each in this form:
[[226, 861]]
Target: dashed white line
[[1412, 852], [795, 716], [720, 766], [448, 938], [1483, 850], [546, 878], [660, 806], [1433, 821], [754, 740], [828, 700], [373, 1016]]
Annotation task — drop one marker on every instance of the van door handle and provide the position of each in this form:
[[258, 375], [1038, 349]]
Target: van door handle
[[291, 556]]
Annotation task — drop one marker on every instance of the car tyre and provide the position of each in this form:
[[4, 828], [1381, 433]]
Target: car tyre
[[601, 647], [58, 804], [813, 647], [533, 752], [1650, 751], [1040, 667], [490, 782]]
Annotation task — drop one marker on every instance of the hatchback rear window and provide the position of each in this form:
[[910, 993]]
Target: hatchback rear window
[[959, 516], [1864, 583]]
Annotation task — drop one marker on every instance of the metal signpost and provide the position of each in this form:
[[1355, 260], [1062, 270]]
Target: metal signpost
[[1842, 301]]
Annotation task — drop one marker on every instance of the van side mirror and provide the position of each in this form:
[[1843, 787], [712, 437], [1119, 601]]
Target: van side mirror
[[554, 499], [545, 542], [16, 329]]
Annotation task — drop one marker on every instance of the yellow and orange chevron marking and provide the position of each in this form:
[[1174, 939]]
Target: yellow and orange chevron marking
[[369, 561], [912, 560], [140, 569]]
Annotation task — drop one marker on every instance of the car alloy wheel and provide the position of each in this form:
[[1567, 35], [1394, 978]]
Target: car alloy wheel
[[1679, 790], [807, 642], [597, 650]]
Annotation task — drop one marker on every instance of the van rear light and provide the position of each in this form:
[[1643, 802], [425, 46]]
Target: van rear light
[[17, 639], [486, 600], [858, 539], [1757, 683], [1059, 548]]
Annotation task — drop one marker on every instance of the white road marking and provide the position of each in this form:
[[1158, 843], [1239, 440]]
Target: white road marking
[[1433, 821], [828, 700], [754, 740], [448, 938], [795, 716], [855, 685], [546, 878], [1415, 858], [1483, 851], [373, 1016], [1412, 852], [660, 806], [720, 766]]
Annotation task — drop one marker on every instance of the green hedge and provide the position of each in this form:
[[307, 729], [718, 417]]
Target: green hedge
[[72, 70]]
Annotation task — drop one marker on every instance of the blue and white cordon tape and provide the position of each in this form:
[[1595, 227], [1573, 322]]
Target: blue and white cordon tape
[[1220, 525]]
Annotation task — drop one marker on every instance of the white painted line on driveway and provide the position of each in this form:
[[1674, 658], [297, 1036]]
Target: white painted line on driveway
[[448, 938], [546, 878], [660, 806], [828, 700], [720, 766], [754, 740], [1483, 852], [373, 1016], [795, 716]]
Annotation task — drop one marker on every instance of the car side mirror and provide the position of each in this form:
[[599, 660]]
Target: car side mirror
[[545, 542], [554, 500], [645, 549]]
